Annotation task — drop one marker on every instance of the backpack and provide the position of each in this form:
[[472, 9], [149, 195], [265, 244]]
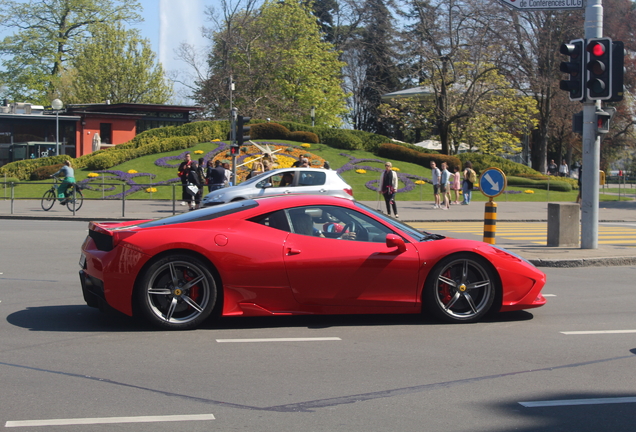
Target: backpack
[[472, 175]]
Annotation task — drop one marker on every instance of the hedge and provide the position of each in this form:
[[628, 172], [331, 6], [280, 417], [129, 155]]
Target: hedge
[[401, 153], [559, 186], [482, 162], [148, 142]]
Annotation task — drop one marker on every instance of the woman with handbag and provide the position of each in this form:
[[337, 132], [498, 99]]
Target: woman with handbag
[[388, 186], [194, 185]]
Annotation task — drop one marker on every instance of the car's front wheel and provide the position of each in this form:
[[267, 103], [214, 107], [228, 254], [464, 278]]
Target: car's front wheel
[[176, 292], [460, 288]]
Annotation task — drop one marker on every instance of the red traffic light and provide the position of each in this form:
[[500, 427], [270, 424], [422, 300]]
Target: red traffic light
[[597, 49]]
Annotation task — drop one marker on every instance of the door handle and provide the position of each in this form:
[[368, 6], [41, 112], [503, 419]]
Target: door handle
[[293, 251]]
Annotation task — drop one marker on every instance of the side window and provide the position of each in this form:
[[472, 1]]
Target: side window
[[312, 178], [336, 223], [277, 220]]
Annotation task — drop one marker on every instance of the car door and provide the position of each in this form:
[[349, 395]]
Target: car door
[[281, 183], [339, 272], [311, 182]]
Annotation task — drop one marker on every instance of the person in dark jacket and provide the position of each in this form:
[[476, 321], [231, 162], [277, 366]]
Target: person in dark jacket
[[184, 168], [215, 176], [194, 180]]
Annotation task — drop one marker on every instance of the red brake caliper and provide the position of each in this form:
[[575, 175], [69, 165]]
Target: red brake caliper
[[194, 291], [444, 289]]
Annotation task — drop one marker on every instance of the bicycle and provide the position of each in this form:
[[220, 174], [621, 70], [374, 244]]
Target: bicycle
[[73, 197]]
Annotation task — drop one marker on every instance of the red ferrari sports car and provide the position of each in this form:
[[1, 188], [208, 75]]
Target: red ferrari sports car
[[302, 254]]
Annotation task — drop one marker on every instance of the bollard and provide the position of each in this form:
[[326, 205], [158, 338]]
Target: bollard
[[490, 222]]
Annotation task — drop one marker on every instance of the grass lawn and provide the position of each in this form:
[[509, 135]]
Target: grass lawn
[[150, 173]]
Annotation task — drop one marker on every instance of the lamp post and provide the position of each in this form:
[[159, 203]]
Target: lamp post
[[57, 106], [313, 116]]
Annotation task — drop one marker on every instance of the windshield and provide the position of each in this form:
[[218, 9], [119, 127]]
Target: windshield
[[416, 234], [207, 213]]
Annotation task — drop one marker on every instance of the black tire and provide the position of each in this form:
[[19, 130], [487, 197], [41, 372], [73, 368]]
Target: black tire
[[77, 203], [48, 200], [167, 297], [461, 288]]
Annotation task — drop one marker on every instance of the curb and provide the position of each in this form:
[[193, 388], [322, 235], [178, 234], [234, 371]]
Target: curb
[[585, 262]]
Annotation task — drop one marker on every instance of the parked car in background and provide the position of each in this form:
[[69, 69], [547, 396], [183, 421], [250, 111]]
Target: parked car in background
[[314, 181]]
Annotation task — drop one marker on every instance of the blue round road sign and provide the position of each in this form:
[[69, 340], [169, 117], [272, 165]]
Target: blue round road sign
[[492, 182]]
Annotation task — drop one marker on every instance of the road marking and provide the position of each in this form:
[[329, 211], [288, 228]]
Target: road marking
[[282, 339], [549, 295], [570, 402], [598, 332], [109, 420]]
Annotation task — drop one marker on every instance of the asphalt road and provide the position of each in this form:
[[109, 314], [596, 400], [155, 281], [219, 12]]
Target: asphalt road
[[60, 359]]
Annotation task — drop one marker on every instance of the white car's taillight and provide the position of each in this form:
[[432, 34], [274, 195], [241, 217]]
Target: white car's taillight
[[349, 191]]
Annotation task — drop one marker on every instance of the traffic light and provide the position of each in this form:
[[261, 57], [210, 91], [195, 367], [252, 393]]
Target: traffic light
[[242, 131], [604, 120], [599, 65], [617, 71], [575, 68]]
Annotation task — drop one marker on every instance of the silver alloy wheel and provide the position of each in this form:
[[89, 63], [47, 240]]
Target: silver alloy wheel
[[463, 289], [178, 292]]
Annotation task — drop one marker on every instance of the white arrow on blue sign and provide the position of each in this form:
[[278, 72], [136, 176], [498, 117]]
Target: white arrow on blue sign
[[492, 182]]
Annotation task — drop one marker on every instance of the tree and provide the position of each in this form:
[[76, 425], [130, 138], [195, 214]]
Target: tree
[[114, 64], [280, 66], [46, 39], [375, 56]]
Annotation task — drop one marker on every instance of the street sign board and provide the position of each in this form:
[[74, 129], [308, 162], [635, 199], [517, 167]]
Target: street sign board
[[527, 5], [492, 182]]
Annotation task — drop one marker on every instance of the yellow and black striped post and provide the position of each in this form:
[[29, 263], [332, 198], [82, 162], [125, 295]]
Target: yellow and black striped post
[[490, 222]]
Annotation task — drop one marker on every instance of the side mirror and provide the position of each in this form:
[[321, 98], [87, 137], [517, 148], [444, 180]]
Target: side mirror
[[393, 240], [264, 185]]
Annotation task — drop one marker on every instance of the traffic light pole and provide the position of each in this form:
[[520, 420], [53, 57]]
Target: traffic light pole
[[591, 143], [233, 113]]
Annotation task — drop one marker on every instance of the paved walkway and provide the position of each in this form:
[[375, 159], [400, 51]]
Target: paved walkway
[[618, 212]]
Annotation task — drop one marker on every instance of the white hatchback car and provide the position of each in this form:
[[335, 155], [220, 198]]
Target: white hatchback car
[[316, 181]]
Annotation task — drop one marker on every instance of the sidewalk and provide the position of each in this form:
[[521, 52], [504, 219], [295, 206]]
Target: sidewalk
[[410, 211]]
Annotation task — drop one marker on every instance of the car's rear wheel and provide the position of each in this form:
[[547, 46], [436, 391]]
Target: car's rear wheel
[[460, 288], [176, 292]]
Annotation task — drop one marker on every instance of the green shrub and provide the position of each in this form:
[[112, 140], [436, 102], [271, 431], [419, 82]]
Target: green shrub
[[303, 137], [268, 131], [45, 172], [559, 186], [10, 180], [401, 153], [481, 162]]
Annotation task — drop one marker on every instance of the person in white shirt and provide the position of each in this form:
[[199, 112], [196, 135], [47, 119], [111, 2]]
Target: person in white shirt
[[564, 171], [436, 174], [444, 186]]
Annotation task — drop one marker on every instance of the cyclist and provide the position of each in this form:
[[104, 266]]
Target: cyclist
[[69, 179]]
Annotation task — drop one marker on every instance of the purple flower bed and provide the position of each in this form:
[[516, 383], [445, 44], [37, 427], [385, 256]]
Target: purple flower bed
[[407, 179]]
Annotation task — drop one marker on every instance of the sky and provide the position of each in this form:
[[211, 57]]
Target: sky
[[167, 24]]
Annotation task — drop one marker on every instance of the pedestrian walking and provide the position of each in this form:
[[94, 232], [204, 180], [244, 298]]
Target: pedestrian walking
[[215, 176], [388, 187], [564, 171], [456, 183], [184, 169], [444, 186], [470, 177], [436, 177], [194, 181]]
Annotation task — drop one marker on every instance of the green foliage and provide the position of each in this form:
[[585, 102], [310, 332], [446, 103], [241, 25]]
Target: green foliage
[[401, 153], [148, 142], [268, 131], [45, 172], [114, 64], [115, 156], [10, 180], [281, 65], [481, 162], [304, 137], [559, 186], [47, 35]]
